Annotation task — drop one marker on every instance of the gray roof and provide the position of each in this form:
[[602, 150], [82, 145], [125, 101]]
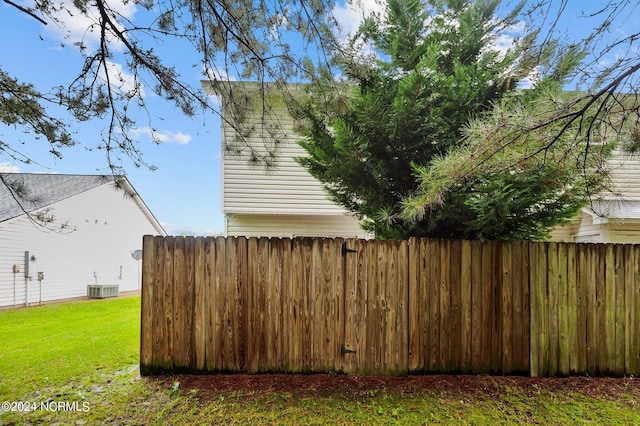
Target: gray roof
[[20, 192]]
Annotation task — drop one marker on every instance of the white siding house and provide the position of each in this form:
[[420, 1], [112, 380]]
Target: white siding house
[[90, 241], [283, 200], [615, 217]]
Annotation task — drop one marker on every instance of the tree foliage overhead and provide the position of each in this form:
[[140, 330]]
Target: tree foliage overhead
[[417, 102], [262, 41]]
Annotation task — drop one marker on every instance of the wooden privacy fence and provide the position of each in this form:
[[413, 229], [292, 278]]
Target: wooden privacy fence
[[389, 307]]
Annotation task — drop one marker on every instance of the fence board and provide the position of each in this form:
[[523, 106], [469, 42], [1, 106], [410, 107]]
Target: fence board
[[178, 309], [187, 357], [521, 307], [582, 276], [295, 311], [455, 319], [505, 314], [444, 325], [274, 306], [433, 321], [540, 347], [629, 314], [487, 302], [553, 288], [402, 362], [220, 302], [427, 273], [563, 313], [476, 306], [592, 303], [370, 359], [535, 316], [148, 298], [610, 310], [526, 302], [572, 310], [361, 307], [377, 323], [600, 303], [618, 368], [389, 283], [635, 308], [199, 305], [465, 306], [414, 312], [288, 324], [166, 310]]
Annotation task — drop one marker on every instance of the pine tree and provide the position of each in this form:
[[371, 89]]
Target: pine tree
[[409, 105]]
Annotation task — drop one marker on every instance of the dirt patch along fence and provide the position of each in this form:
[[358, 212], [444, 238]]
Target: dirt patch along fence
[[389, 307]]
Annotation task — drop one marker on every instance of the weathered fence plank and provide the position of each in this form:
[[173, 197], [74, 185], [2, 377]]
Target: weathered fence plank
[[505, 314], [591, 307], [148, 300], [466, 311], [574, 303], [582, 277], [619, 265], [455, 318], [476, 306], [635, 307], [415, 362], [563, 310]]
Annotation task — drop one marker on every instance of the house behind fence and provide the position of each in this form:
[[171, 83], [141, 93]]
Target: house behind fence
[[256, 305]]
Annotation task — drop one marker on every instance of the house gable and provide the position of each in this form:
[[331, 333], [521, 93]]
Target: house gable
[[102, 227], [40, 190]]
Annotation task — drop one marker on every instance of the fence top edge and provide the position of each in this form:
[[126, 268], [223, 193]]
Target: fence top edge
[[412, 239]]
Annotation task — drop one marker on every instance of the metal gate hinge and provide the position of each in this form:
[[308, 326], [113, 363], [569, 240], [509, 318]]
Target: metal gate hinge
[[346, 250]]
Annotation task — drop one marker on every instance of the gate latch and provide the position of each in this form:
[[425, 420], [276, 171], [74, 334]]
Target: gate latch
[[344, 350]]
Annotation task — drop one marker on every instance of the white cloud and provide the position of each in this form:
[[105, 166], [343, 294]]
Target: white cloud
[[351, 14], [121, 80], [8, 168], [165, 136], [76, 26], [529, 81]]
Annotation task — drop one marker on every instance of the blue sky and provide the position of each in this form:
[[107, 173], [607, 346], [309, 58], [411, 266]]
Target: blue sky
[[184, 193]]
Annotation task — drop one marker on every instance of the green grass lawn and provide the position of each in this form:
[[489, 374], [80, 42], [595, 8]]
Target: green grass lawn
[[84, 356]]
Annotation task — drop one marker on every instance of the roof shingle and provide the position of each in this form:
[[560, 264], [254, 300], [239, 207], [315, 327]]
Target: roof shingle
[[41, 190]]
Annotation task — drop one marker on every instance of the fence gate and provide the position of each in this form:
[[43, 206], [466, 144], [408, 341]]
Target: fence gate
[[375, 307], [326, 305]]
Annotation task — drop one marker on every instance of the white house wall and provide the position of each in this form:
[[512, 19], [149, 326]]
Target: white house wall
[[103, 228], [625, 175], [623, 233], [284, 200], [294, 226], [623, 201], [286, 189]]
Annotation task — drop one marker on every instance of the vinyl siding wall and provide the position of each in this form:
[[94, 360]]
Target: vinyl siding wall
[[625, 175], [623, 200], [103, 228], [286, 189], [294, 226], [284, 200]]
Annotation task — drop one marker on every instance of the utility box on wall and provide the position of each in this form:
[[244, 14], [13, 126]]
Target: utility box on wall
[[102, 291]]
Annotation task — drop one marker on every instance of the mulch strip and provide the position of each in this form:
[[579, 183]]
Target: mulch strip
[[353, 385]]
